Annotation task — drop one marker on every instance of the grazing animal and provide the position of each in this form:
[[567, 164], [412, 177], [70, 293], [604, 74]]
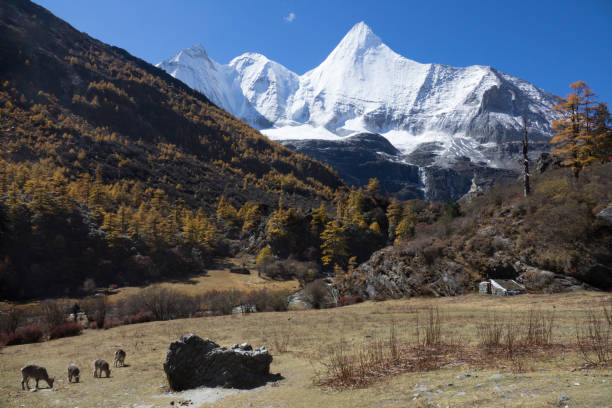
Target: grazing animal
[[37, 373], [73, 373], [119, 358], [101, 366]]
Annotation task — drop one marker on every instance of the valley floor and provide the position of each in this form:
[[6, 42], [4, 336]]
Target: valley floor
[[218, 277], [301, 341]]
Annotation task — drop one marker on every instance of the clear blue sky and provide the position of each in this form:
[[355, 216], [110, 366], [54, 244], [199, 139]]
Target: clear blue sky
[[547, 42]]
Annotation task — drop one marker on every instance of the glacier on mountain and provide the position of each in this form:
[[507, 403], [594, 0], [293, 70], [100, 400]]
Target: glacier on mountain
[[365, 87]]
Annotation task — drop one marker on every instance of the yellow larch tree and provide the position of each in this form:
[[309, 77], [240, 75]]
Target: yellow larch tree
[[578, 133]]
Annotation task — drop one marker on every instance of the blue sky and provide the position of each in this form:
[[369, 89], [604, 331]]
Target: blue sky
[[549, 43]]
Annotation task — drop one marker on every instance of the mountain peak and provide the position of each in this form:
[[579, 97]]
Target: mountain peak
[[361, 27], [196, 50], [191, 55], [360, 36], [249, 56]]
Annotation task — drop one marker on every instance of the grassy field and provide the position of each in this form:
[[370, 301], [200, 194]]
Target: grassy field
[[301, 342], [218, 277]]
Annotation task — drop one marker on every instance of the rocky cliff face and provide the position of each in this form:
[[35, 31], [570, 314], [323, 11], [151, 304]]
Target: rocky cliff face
[[393, 273], [361, 157]]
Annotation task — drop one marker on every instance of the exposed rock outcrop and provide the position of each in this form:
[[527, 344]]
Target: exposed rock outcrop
[[539, 280], [395, 273], [193, 362], [606, 215], [547, 161], [361, 157]]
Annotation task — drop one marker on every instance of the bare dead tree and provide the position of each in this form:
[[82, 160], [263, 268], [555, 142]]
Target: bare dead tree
[[526, 187]]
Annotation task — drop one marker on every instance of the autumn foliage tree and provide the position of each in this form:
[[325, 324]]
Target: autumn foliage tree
[[602, 129], [394, 215], [334, 245], [582, 134]]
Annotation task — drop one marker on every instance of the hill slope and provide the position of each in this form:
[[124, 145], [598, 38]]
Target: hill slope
[[97, 143], [553, 240]]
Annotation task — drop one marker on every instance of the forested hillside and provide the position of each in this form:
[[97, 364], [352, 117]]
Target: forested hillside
[[110, 169], [113, 172], [552, 240]]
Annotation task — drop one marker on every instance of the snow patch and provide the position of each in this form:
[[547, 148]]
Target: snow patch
[[300, 133]]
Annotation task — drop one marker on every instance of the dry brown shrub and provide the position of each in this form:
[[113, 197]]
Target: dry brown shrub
[[607, 312], [164, 303], [432, 252], [95, 308], [53, 312], [539, 330], [433, 327], [594, 338], [280, 341], [222, 302], [317, 293], [266, 300], [490, 332], [501, 340], [11, 320]]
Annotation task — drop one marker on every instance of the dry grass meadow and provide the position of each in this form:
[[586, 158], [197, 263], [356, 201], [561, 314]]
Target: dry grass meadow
[[302, 342], [218, 278]]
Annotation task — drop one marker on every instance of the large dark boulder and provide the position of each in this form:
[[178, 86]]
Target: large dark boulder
[[193, 362]]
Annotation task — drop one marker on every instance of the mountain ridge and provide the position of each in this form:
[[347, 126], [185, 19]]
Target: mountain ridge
[[363, 86]]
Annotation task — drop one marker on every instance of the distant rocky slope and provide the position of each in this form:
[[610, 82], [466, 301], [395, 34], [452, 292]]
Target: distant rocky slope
[[363, 156], [434, 115]]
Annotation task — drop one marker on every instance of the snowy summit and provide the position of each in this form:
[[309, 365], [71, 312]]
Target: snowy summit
[[364, 86]]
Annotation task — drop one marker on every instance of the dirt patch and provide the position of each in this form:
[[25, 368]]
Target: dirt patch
[[199, 396]]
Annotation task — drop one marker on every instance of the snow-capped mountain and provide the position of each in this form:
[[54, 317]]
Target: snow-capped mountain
[[267, 85], [218, 82], [363, 86]]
